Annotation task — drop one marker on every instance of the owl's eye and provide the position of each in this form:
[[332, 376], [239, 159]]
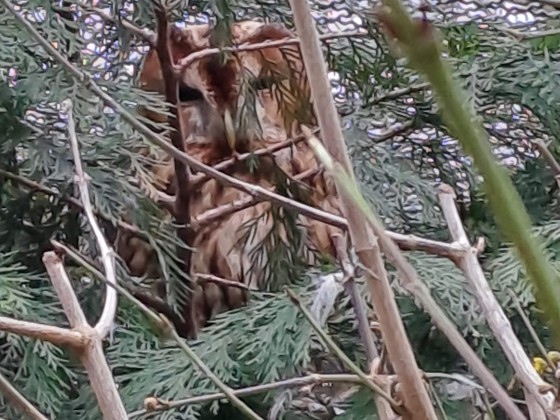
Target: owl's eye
[[264, 82], [189, 94]]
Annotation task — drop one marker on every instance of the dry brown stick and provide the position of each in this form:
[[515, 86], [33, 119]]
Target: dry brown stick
[[531, 329], [225, 210], [91, 355], [18, 400], [199, 178], [411, 283], [384, 410], [218, 280], [52, 334], [107, 317], [178, 133], [493, 313], [314, 379], [415, 394], [191, 58]]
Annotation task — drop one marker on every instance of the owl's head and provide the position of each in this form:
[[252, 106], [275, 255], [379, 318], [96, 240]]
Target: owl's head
[[217, 87]]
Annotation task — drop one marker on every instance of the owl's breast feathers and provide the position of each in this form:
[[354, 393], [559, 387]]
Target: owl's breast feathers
[[208, 88]]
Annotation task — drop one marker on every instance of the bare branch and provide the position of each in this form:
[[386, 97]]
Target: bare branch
[[225, 210], [331, 345], [191, 58], [178, 133], [415, 394], [316, 379], [91, 356], [550, 159], [55, 335], [18, 400], [493, 312], [242, 157], [218, 280], [107, 254]]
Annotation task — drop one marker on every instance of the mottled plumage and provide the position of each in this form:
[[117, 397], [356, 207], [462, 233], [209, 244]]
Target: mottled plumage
[[211, 88]]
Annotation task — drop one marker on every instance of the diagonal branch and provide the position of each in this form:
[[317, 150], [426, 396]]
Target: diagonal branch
[[18, 400], [417, 402], [494, 314], [147, 35]]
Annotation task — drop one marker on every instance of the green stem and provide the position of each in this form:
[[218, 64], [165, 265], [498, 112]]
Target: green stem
[[418, 41]]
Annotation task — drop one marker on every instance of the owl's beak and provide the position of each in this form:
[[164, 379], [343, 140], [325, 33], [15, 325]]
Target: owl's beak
[[229, 130]]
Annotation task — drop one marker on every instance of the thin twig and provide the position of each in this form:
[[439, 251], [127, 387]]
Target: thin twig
[[107, 317], [218, 280], [550, 160], [147, 35], [399, 92], [221, 212], [18, 400], [331, 345], [191, 58], [534, 335], [199, 178], [315, 379]]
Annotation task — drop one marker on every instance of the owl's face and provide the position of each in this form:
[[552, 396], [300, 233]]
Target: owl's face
[[213, 86]]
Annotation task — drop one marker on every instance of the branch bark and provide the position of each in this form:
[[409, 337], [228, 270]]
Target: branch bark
[[494, 314], [18, 400], [52, 334], [107, 317], [182, 200], [416, 398], [91, 355]]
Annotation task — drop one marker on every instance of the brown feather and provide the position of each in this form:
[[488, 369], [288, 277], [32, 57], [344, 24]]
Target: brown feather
[[218, 248]]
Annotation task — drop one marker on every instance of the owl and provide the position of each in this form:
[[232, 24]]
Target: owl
[[230, 104]]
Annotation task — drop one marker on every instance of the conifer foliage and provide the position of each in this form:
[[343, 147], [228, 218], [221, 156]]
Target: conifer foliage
[[400, 150]]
